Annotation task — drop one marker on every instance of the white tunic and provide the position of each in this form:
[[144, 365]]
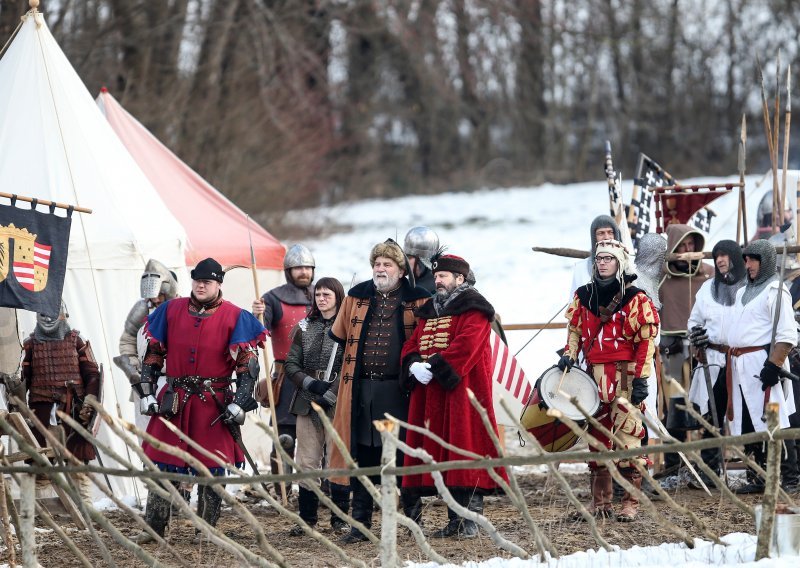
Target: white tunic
[[581, 274], [715, 318], [751, 325]]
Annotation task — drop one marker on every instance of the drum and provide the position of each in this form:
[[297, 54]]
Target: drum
[[551, 433]]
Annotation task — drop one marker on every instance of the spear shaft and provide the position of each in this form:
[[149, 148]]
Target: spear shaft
[[270, 395], [777, 206], [741, 225], [786, 129]]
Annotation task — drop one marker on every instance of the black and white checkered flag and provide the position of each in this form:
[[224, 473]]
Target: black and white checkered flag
[[640, 212]]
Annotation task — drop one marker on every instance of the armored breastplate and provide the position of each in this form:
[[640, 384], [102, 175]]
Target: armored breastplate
[[54, 365], [382, 342]]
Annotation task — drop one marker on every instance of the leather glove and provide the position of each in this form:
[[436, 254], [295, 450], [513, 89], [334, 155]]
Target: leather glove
[[639, 391], [769, 375], [421, 371], [566, 362], [234, 414], [326, 401], [315, 386], [148, 405], [698, 337]]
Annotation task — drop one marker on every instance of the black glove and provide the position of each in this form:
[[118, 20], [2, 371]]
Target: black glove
[[566, 362], [326, 401], [638, 390], [315, 386], [698, 337], [769, 375]]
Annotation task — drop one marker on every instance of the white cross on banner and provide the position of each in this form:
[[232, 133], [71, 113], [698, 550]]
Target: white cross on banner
[[507, 372]]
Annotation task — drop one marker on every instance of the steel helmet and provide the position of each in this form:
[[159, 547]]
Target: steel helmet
[[421, 242], [298, 255], [158, 279]]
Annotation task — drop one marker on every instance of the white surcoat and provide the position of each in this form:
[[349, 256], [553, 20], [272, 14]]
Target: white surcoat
[[751, 325]]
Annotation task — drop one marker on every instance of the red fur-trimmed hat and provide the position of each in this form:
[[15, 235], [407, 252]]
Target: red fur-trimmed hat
[[450, 263]]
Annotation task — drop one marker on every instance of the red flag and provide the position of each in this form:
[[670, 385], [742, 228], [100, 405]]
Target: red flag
[[507, 372]]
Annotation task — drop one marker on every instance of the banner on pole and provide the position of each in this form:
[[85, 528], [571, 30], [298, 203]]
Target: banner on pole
[[33, 258]]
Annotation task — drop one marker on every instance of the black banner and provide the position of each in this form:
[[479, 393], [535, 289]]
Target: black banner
[[33, 258]]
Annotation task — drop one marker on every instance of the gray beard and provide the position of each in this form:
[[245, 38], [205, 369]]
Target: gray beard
[[385, 285], [441, 299]]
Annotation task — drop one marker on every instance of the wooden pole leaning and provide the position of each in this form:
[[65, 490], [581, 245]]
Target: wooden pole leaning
[[786, 131], [270, 396], [741, 224]]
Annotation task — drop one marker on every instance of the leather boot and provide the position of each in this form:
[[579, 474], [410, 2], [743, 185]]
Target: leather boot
[[630, 504], [601, 485], [156, 514], [457, 526], [208, 508], [362, 512], [412, 505], [340, 494], [308, 503]]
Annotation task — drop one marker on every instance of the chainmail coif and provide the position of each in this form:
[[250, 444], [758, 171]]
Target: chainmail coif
[[726, 285], [764, 252], [650, 265]]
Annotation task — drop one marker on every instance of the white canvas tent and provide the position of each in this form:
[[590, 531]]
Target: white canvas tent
[[56, 145]]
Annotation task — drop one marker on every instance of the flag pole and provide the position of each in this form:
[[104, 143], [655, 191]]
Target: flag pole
[[270, 395]]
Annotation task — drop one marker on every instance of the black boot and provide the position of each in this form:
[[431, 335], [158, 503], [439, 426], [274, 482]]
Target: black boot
[[308, 503], [754, 484], [156, 514], [412, 505], [362, 512], [340, 495], [457, 526]]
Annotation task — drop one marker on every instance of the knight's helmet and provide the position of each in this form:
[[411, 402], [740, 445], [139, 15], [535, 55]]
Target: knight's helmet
[[297, 255], [158, 279], [421, 242]]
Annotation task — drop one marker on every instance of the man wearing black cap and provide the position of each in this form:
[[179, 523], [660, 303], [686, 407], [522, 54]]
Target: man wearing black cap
[[204, 340], [448, 356]]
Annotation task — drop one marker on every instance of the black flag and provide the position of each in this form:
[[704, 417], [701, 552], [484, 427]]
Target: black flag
[[33, 258]]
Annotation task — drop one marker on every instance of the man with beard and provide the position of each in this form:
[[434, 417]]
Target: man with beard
[[375, 320], [756, 370], [420, 244], [59, 370], [709, 322], [449, 354], [204, 340], [614, 325], [282, 308], [603, 228], [158, 284], [678, 290]]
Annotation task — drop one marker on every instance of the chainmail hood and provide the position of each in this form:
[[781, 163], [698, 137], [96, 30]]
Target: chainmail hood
[[724, 288], [764, 252], [51, 329], [650, 265]]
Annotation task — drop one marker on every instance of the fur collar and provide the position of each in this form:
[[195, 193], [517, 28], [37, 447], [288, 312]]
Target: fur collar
[[469, 299], [366, 289]]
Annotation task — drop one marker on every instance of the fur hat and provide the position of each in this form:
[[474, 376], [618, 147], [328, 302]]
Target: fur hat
[[618, 251], [450, 263], [391, 250], [208, 269]]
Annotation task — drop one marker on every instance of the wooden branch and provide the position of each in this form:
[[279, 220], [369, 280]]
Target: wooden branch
[[27, 516], [565, 485], [388, 496], [770, 500], [575, 253], [526, 326], [543, 544]]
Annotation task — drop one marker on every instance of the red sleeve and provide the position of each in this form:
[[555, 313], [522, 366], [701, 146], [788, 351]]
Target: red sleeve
[[467, 344]]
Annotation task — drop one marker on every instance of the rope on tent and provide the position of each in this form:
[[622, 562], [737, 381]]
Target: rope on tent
[[13, 35], [83, 232]]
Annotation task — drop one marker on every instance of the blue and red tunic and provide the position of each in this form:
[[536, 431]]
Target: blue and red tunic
[[200, 343]]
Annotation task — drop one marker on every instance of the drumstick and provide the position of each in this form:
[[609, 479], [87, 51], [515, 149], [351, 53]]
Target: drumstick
[[561, 382]]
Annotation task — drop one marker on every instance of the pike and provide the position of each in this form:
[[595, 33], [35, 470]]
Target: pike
[[765, 109], [786, 130], [741, 225], [777, 206], [712, 403], [270, 395]]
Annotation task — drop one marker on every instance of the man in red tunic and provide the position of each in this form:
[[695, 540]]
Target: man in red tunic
[[204, 339], [449, 353], [614, 325]]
